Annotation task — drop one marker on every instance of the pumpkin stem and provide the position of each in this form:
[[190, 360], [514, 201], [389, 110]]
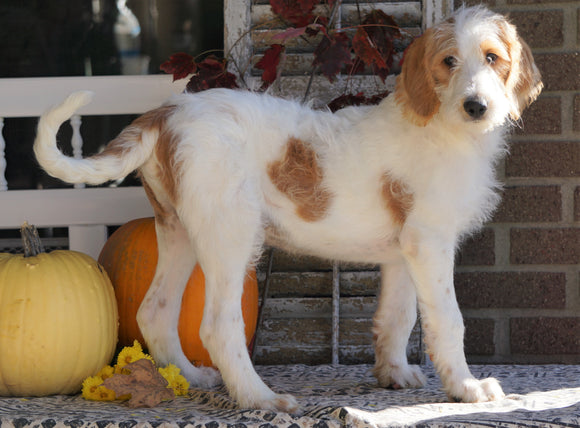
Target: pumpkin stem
[[30, 240]]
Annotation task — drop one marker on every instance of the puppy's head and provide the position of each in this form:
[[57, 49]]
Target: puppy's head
[[472, 69]]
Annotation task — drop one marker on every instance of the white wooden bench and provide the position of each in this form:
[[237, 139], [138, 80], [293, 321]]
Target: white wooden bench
[[85, 211]]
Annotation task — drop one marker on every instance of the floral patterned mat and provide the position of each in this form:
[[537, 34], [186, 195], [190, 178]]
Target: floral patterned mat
[[330, 396]]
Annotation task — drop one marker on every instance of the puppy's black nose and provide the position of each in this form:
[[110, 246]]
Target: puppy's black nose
[[475, 108]]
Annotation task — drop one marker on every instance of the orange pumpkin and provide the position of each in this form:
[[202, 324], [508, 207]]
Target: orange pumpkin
[[130, 259]]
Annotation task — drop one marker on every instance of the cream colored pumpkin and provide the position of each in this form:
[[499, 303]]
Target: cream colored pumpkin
[[58, 322]]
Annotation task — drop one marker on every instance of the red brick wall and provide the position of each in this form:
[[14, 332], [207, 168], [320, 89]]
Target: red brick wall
[[518, 281]]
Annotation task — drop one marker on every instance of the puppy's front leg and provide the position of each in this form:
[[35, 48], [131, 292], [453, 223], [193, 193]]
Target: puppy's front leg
[[392, 324], [430, 260]]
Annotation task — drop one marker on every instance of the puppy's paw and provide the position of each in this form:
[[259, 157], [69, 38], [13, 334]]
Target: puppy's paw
[[277, 402], [399, 376], [202, 377], [284, 403], [472, 390]]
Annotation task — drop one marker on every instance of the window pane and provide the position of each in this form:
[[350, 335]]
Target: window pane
[[43, 38], [103, 37]]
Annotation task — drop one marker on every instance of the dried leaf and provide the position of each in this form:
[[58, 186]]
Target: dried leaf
[[144, 383], [269, 63], [347, 100], [180, 65], [332, 54]]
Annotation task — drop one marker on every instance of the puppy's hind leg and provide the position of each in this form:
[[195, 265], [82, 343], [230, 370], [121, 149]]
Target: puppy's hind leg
[[158, 315], [226, 242]]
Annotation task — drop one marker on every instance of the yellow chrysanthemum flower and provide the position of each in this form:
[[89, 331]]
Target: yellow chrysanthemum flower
[[94, 390], [130, 354], [176, 381], [106, 372]]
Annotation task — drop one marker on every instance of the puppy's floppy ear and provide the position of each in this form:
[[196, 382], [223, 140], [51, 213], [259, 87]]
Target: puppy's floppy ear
[[415, 90], [524, 80], [530, 82]]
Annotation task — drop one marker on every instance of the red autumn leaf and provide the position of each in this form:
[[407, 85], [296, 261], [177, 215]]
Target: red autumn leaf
[[374, 43], [365, 49], [297, 12], [332, 54], [289, 33], [145, 385], [211, 73], [269, 63], [180, 65], [292, 33]]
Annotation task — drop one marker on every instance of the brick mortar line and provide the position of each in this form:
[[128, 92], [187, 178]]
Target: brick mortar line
[[502, 244], [541, 181], [570, 137], [573, 290], [567, 107], [559, 92], [513, 268], [539, 225], [506, 314], [501, 338], [567, 191], [501, 166]]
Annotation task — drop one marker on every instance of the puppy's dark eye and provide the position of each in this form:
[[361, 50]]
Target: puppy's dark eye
[[491, 58], [450, 61]]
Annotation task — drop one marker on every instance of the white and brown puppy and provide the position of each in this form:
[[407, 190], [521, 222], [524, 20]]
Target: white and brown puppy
[[397, 184]]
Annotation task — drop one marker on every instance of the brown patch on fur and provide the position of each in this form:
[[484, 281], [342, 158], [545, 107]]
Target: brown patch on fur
[[169, 165], [161, 212], [524, 82], [423, 70], [131, 135], [397, 198], [165, 149], [299, 177]]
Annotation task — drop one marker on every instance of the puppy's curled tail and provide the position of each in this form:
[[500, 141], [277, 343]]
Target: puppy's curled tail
[[122, 155]]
